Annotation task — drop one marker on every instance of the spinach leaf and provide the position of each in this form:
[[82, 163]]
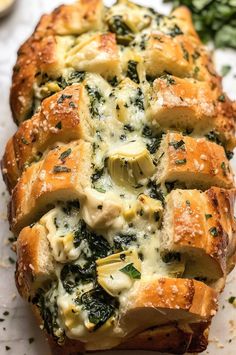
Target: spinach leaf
[[132, 72], [131, 271], [155, 191], [73, 274], [99, 305]]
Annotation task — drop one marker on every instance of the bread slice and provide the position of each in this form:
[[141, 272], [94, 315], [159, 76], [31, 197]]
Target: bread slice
[[193, 106], [195, 162], [63, 117], [53, 179], [200, 226], [35, 266]]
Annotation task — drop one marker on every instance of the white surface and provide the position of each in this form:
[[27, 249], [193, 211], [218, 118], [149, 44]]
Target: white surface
[[19, 324]]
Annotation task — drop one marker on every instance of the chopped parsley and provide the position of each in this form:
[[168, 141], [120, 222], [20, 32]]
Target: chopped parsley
[[174, 31], [178, 144], [181, 161], [221, 98], [63, 97], [214, 231], [58, 125], [61, 169], [24, 141], [65, 154], [208, 215]]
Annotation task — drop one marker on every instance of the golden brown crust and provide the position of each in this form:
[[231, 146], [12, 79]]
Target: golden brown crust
[[185, 296], [63, 117], [51, 180], [188, 104], [202, 226], [195, 161], [173, 338], [34, 262]]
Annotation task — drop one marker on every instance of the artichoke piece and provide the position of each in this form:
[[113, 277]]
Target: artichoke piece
[[71, 316], [147, 207], [175, 263], [118, 272], [130, 163]]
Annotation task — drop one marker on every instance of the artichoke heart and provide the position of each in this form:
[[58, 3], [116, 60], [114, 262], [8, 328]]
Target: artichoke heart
[[117, 272], [71, 317], [130, 163]]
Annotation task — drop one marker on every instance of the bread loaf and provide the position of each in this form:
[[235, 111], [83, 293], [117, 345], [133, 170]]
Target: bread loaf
[[122, 192]]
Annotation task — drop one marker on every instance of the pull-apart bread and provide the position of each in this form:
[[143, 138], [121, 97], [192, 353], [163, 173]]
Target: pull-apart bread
[[122, 194]]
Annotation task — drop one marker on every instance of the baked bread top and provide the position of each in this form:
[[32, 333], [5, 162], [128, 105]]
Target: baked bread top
[[121, 188]]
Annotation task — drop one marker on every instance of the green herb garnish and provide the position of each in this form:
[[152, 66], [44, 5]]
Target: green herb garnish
[[61, 169], [131, 271], [214, 231], [181, 161], [65, 154], [178, 144], [208, 215]]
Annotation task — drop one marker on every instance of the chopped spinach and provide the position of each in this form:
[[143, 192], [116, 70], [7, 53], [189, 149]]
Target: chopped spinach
[[76, 77], [58, 125], [174, 31], [155, 191], [96, 98], [99, 305], [132, 72], [49, 317], [123, 33], [98, 245], [73, 274], [229, 154], [214, 231], [138, 99], [97, 175], [113, 81]]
